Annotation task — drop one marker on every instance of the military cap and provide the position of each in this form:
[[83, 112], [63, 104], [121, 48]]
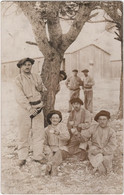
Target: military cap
[[64, 74], [78, 100], [85, 70], [53, 112], [21, 62], [102, 113], [75, 70]]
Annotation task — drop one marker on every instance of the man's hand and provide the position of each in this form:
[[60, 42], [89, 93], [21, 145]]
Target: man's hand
[[33, 111], [71, 123], [95, 151], [74, 131], [82, 125], [56, 132]]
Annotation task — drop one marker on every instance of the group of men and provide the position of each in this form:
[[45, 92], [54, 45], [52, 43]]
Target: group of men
[[59, 141], [74, 82]]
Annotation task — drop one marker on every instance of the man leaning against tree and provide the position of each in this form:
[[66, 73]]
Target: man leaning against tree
[[28, 88]]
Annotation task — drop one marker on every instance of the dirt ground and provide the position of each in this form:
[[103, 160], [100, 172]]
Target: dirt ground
[[74, 176]]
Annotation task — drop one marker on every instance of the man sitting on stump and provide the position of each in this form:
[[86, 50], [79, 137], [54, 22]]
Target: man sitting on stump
[[79, 119], [56, 137], [103, 143]]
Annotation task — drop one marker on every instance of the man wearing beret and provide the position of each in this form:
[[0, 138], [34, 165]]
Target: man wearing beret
[[103, 143], [28, 88], [88, 83], [56, 137], [79, 119], [73, 84]]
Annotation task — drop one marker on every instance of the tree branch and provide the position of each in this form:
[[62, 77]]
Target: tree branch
[[38, 26], [89, 21], [31, 43], [53, 22], [82, 16]]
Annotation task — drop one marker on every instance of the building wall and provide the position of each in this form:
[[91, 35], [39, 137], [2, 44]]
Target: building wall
[[91, 57], [115, 68]]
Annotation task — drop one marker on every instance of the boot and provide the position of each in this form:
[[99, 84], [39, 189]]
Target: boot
[[101, 169], [42, 161], [54, 171], [21, 163], [48, 169]]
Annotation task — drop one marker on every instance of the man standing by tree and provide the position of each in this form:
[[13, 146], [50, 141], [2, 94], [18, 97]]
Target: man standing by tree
[[73, 84], [28, 96], [88, 82]]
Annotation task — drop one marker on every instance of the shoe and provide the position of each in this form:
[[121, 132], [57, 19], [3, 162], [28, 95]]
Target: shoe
[[42, 161], [54, 171], [48, 169], [21, 163]]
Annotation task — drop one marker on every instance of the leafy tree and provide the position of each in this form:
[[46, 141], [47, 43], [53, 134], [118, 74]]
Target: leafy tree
[[114, 9], [45, 17]]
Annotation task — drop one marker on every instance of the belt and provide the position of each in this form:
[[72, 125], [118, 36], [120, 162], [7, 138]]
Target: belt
[[87, 87], [35, 103], [75, 89]]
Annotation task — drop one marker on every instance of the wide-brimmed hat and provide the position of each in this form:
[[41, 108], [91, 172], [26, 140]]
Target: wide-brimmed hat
[[102, 113], [64, 74], [85, 70], [75, 70], [78, 100], [53, 112], [21, 62]]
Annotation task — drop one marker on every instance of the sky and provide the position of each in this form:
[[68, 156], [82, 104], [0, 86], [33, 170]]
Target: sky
[[16, 30]]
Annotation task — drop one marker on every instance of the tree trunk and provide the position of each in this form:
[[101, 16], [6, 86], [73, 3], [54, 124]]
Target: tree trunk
[[120, 112], [50, 76]]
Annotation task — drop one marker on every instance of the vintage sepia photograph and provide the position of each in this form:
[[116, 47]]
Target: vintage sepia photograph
[[62, 97]]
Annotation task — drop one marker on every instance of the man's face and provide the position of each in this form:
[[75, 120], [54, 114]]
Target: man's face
[[74, 73], [103, 121], [85, 74], [55, 119], [76, 106], [26, 67]]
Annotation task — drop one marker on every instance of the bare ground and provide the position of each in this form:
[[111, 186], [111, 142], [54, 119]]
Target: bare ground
[[74, 176]]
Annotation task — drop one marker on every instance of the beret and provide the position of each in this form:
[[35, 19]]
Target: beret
[[85, 70], [21, 62], [75, 70], [76, 100], [64, 74], [49, 115], [102, 113]]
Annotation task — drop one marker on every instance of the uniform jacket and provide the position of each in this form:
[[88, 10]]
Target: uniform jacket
[[55, 142], [73, 82], [101, 138], [27, 89], [83, 118], [88, 82]]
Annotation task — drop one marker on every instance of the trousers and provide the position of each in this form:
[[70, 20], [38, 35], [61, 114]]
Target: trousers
[[26, 126], [61, 155], [88, 100], [97, 160]]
